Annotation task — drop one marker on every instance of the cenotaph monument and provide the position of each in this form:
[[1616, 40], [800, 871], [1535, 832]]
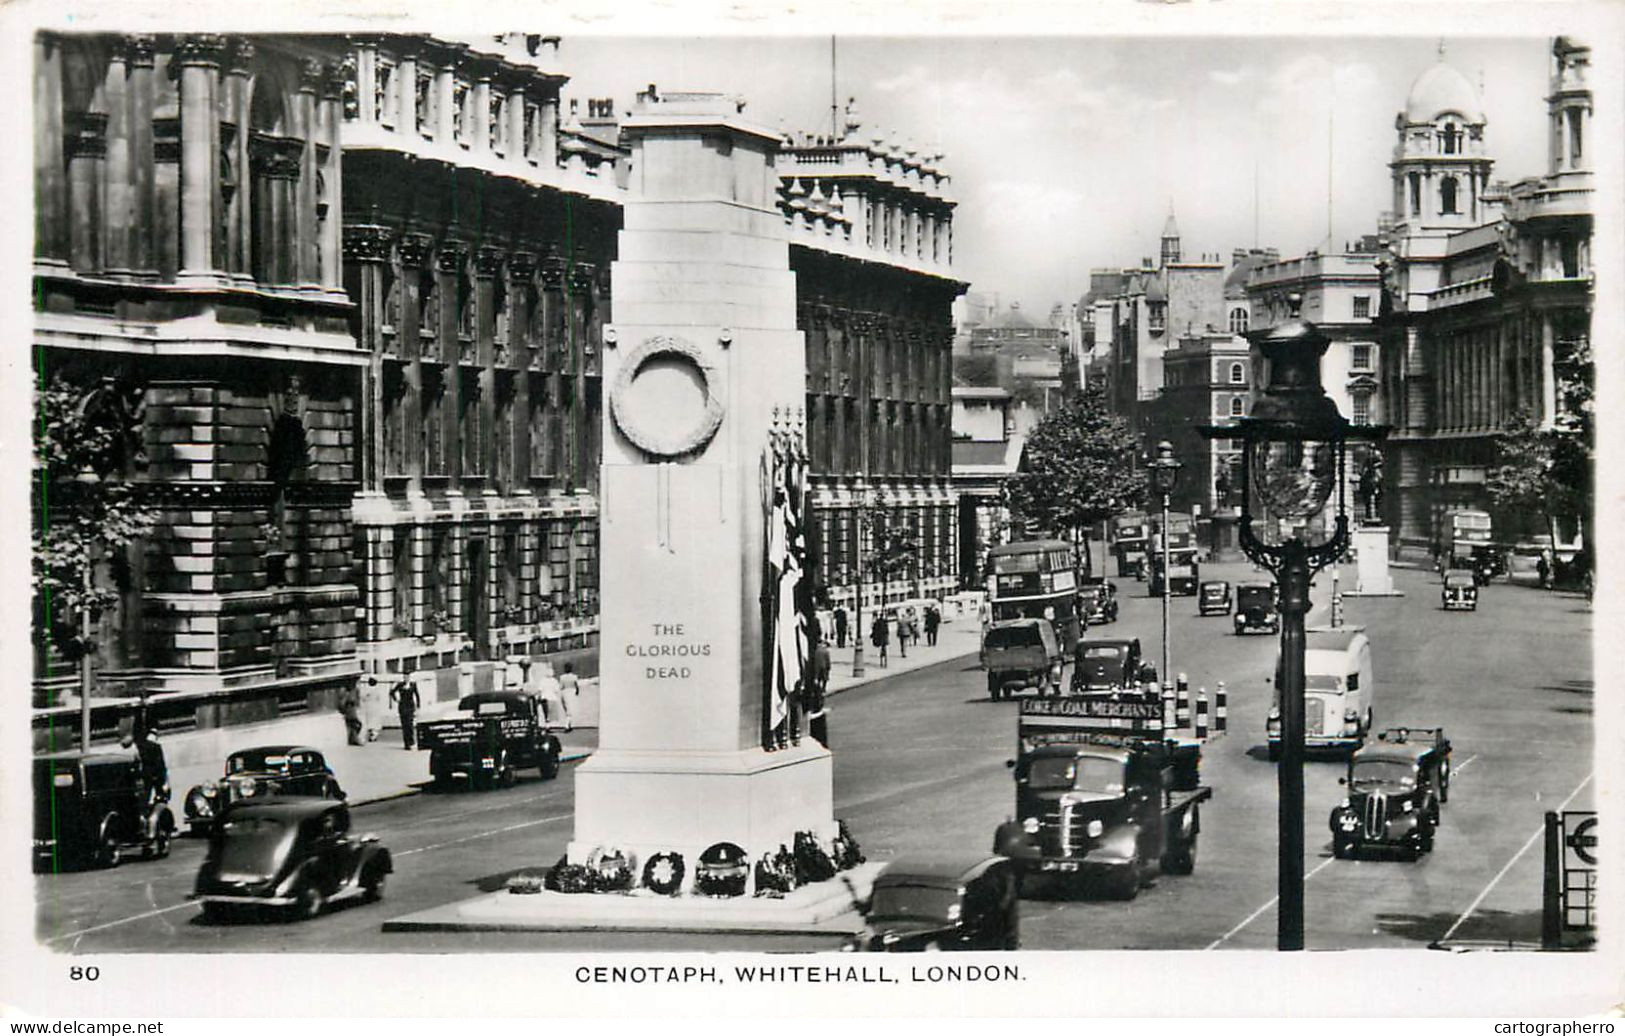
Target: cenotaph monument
[[705, 375]]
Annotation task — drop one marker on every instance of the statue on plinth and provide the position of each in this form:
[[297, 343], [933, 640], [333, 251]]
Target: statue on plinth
[[1370, 489]]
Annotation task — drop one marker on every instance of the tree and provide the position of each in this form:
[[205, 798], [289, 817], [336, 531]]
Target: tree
[[1573, 436], [1522, 478], [87, 441], [1078, 468]]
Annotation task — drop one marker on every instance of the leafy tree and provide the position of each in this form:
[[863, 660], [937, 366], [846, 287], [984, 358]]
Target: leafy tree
[[1078, 468], [87, 440], [1574, 437], [1522, 480]]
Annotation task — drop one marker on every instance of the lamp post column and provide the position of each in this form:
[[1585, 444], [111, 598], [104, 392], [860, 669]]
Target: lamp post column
[[1293, 579], [1167, 669]]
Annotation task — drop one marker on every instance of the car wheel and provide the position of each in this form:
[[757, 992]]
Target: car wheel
[[1342, 848], [308, 903], [216, 913], [372, 890], [160, 844], [1275, 751], [1127, 881], [108, 850]]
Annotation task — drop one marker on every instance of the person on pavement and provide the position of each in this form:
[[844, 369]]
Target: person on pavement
[[547, 690], [933, 619], [900, 627], [878, 636], [350, 708], [840, 626], [817, 690], [404, 695]]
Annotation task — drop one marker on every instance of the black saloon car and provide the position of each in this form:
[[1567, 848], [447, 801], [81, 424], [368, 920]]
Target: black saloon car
[[290, 854], [1460, 591], [255, 773], [1213, 597], [89, 807], [1257, 608], [1395, 787], [1106, 665], [1098, 599], [943, 903]]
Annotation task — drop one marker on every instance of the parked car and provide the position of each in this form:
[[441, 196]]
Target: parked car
[[1213, 598], [1022, 653], [255, 773], [1098, 600], [961, 902], [1395, 785], [1258, 607], [1107, 665], [1339, 686], [89, 807], [292, 854], [492, 737], [1460, 591]]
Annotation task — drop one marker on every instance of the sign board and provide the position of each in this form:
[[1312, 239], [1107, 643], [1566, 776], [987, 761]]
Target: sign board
[[1119, 714], [1579, 874]]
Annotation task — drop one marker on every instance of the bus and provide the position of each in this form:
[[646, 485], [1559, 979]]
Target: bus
[[1463, 532], [1131, 538], [1036, 579]]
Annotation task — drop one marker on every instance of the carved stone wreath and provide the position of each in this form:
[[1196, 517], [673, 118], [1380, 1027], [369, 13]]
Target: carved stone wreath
[[694, 433]]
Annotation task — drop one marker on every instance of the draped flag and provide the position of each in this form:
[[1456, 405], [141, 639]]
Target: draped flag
[[786, 588]]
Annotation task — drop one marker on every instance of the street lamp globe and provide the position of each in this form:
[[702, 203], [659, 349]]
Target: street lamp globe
[[1165, 469]]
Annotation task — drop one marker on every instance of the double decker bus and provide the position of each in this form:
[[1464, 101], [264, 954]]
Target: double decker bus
[[1131, 540], [1464, 531], [1035, 579]]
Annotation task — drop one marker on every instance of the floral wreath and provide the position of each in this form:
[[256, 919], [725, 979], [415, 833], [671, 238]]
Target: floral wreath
[[723, 871], [631, 423], [663, 873]]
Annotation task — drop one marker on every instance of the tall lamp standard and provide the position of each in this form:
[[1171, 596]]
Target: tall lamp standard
[[863, 520], [1293, 446], [1164, 476]]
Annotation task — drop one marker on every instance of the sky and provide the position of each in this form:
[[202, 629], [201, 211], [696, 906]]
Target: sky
[[1067, 152]]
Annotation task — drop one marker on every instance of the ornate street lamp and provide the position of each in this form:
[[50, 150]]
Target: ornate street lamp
[[1292, 462], [1164, 476]]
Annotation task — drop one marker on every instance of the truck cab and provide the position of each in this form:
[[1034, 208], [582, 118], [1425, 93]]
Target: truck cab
[[494, 735], [1339, 688], [1022, 653]]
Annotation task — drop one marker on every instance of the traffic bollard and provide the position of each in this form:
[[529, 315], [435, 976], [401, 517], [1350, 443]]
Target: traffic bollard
[[1182, 705], [1169, 718], [1201, 714], [1221, 714]]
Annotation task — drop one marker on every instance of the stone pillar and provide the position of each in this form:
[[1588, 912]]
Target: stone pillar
[[368, 246], [86, 147], [1371, 546], [306, 270], [199, 60], [1547, 376], [329, 193], [707, 361], [143, 197], [115, 244], [238, 236], [50, 185]]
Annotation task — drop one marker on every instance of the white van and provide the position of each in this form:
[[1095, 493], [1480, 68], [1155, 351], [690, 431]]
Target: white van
[[1339, 688]]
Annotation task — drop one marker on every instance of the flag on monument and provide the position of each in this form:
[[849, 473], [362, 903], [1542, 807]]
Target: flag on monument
[[786, 554]]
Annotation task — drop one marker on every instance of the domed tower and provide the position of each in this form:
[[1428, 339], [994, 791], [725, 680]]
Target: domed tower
[[1170, 239], [1569, 108], [1440, 169]]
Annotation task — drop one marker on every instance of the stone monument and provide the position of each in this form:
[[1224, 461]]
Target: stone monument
[[1370, 535], [705, 372]]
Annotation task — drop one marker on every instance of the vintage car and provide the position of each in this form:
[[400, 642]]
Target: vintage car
[[253, 774], [961, 902], [1257, 608], [89, 807], [292, 854], [1107, 665], [1098, 600], [1395, 787], [1460, 591], [1488, 563], [1213, 597], [494, 735], [1339, 690], [1022, 653]]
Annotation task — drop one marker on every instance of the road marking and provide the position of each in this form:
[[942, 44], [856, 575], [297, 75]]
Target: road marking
[[484, 834], [122, 920], [1216, 943], [1539, 832]]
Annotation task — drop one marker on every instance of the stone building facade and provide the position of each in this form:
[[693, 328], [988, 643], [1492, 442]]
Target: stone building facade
[[187, 249]]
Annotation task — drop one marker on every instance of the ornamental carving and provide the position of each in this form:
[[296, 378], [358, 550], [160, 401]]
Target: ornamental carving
[[203, 49], [311, 73], [655, 423], [239, 56], [367, 243], [581, 276], [139, 49], [449, 258], [521, 265], [414, 249], [488, 262], [552, 271]]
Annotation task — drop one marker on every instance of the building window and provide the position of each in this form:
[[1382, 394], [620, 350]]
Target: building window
[[1238, 320], [1237, 405], [1238, 374], [1447, 196], [425, 104], [1157, 316], [1576, 137], [383, 94], [1360, 357], [1416, 194], [1362, 409], [1362, 307], [1451, 138]]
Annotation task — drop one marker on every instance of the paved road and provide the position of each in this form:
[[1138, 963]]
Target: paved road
[[920, 765]]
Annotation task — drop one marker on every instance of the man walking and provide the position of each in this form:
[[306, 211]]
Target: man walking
[[350, 708], [840, 626], [817, 688], [878, 637], [933, 619], [404, 696]]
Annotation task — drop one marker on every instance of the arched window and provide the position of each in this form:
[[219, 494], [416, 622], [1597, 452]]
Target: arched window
[[1238, 374], [1236, 405], [1238, 320], [274, 165], [1416, 193], [1447, 196], [1450, 137]]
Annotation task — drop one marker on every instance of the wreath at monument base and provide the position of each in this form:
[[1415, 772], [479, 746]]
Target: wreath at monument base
[[847, 854], [812, 863], [604, 871], [567, 877], [776, 874], [723, 872], [663, 873]]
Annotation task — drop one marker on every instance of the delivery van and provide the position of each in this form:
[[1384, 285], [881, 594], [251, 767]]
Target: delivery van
[[1339, 688]]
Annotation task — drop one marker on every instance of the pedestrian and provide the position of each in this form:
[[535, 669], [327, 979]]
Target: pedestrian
[[840, 626], [984, 612], [545, 687], [878, 636], [1543, 569], [570, 685], [404, 696], [900, 629], [911, 620], [817, 689], [933, 619], [349, 703]]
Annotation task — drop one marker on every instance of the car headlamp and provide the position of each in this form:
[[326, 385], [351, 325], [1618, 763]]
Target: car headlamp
[[953, 911], [209, 791], [1410, 806], [1351, 714], [1096, 829], [1030, 825], [1343, 805]]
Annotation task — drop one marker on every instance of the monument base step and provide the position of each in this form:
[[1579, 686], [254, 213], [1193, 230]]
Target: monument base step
[[826, 908]]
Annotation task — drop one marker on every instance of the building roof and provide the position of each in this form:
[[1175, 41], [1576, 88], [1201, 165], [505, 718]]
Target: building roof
[[1235, 282], [1170, 228], [1011, 319], [1154, 291], [980, 392], [1442, 88]]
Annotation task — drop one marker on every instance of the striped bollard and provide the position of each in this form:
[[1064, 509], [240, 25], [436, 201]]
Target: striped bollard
[[1201, 714], [1182, 703], [1169, 718], [1221, 713]]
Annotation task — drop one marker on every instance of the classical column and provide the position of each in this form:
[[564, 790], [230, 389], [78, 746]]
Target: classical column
[[547, 153], [143, 197], [1548, 380], [406, 94], [50, 185], [115, 243], [478, 119], [330, 193], [199, 60], [368, 246], [239, 228], [413, 250], [86, 146], [306, 248]]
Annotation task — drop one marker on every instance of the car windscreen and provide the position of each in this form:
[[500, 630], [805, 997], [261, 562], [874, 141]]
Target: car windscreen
[[1322, 682], [921, 902], [256, 761], [1255, 598], [252, 845], [1076, 773], [1370, 774], [1014, 636]]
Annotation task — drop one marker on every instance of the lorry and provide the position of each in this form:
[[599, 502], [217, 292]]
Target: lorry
[[1022, 653], [1103, 796], [498, 734]]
